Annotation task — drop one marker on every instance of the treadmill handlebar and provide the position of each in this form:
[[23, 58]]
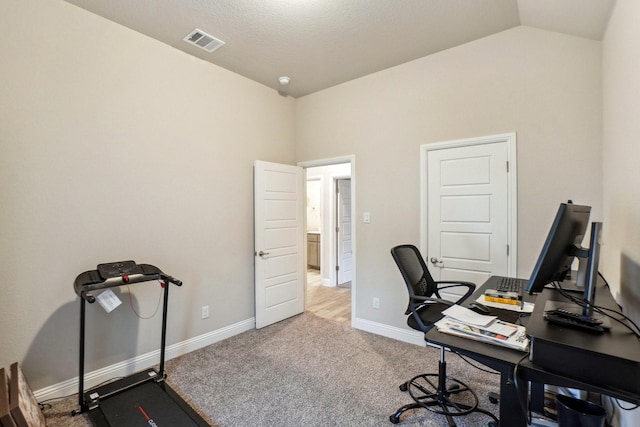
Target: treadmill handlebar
[[92, 280], [171, 279]]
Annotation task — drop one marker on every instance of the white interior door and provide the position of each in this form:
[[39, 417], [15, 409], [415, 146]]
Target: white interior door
[[344, 238], [468, 211], [279, 240]]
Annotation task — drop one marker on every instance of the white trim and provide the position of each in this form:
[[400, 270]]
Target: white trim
[[144, 361], [334, 161], [328, 162], [406, 335], [512, 190]]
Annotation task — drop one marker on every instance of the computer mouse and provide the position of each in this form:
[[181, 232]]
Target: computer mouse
[[479, 308]]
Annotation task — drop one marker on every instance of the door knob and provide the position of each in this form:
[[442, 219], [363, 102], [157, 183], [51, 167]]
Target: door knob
[[435, 261], [262, 253]]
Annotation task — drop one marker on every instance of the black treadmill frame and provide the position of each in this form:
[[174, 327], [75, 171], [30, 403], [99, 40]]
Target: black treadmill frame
[[84, 286]]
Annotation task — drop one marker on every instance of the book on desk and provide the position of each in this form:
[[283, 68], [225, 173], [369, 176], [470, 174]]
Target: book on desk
[[465, 323]]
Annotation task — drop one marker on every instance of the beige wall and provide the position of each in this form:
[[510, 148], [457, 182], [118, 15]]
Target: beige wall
[[543, 85], [114, 146], [621, 155]]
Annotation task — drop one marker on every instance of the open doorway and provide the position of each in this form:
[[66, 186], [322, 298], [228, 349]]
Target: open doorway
[[329, 241]]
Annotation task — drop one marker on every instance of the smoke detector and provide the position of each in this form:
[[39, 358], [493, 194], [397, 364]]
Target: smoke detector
[[203, 40]]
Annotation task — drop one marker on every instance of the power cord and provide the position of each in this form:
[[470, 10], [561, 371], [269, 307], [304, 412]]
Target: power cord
[[480, 368], [631, 325], [524, 405], [157, 305]]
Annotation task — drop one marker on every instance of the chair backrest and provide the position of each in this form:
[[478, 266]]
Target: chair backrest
[[414, 270]]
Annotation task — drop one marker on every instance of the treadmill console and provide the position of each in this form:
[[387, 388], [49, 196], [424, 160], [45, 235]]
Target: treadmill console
[[118, 269]]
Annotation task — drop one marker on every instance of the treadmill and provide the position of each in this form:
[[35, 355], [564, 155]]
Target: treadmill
[[141, 399]]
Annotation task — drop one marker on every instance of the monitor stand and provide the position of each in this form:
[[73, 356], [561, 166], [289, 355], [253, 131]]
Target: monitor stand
[[569, 285]]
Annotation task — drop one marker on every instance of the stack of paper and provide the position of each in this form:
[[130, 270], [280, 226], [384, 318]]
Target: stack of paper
[[463, 322]]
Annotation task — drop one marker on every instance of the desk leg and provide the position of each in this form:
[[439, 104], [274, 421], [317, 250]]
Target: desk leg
[[537, 398], [511, 413]]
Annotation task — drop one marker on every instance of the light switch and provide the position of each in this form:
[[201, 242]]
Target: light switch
[[366, 217]]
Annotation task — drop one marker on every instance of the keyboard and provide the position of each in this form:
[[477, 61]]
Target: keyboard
[[504, 290], [509, 284]]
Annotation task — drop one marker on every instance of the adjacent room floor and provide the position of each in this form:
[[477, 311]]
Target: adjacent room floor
[[328, 302]]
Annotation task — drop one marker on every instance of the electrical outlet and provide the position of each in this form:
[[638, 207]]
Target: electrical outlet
[[376, 302], [205, 311]]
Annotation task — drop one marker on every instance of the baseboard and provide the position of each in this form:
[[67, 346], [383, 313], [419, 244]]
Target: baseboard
[[143, 361], [400, 334]]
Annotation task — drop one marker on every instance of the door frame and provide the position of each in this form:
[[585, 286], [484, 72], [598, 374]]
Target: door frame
[[351, 159], [512, 189]]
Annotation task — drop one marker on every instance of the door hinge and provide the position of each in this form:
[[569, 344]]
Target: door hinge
[[507, 250], [507, 166], [337, 229], [337, 268]]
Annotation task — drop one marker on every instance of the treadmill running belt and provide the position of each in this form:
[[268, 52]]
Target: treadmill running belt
[[144, 405]]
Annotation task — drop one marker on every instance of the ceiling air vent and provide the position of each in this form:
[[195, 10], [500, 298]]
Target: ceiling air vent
[[203, 40]]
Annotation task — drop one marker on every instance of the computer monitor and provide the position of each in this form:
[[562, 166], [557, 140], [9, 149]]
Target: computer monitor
[[561, 246]]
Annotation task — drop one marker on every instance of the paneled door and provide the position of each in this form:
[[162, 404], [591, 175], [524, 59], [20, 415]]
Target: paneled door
[[470, 209], [344, 239], [279, 240]]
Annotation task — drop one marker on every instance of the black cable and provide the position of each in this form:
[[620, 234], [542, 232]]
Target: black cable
[[524, 406], [582, 302], [480, 368], [623, 408], [599, 309], [520, 317]]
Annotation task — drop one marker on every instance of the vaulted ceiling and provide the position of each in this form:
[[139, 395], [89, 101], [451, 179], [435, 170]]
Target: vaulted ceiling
[[322, 43]]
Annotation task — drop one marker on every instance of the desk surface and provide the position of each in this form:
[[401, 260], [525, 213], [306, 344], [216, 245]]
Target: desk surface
[[608, 362], [558, 343], [501, 359], [491, 352], [619, 342]]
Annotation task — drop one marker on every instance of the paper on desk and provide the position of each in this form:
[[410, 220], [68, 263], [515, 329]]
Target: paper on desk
[[470, 317], [499, 333], [527, 308]]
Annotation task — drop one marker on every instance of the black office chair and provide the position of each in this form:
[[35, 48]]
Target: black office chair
[[435, 392]]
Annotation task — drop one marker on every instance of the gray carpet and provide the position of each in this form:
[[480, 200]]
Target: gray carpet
[[306, 371]]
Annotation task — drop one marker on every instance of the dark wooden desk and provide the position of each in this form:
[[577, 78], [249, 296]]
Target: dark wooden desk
[[498, 358], [607, 363], [504, 360]]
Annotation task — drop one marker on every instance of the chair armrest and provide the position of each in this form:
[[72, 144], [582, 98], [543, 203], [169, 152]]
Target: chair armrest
[[416, 302], [420, 300], [456, 284]]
